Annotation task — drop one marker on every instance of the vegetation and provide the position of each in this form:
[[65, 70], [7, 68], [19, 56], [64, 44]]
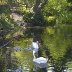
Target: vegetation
[[50, 20]]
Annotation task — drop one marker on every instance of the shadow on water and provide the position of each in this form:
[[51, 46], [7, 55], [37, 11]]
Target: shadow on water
[[62, 63], [68, 56]]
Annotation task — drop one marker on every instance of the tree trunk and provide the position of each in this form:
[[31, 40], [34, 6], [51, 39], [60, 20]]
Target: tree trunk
[[36, 8]]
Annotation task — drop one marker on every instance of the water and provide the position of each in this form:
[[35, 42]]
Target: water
[[23, 56]]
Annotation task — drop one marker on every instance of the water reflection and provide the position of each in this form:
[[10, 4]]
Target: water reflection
[[23, 56], [24, 59]]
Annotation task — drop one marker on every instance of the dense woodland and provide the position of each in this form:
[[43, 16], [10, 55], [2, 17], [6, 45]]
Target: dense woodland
[[49, 20]]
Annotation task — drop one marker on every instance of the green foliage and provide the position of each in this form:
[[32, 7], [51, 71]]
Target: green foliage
[[56, 15], [69, 1], [4, 24], [28, 17], [2, 64], [57, 37], [4, 9], [55, 7]]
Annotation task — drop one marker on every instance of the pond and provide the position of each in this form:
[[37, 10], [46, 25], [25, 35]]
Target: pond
[[23, 57]]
